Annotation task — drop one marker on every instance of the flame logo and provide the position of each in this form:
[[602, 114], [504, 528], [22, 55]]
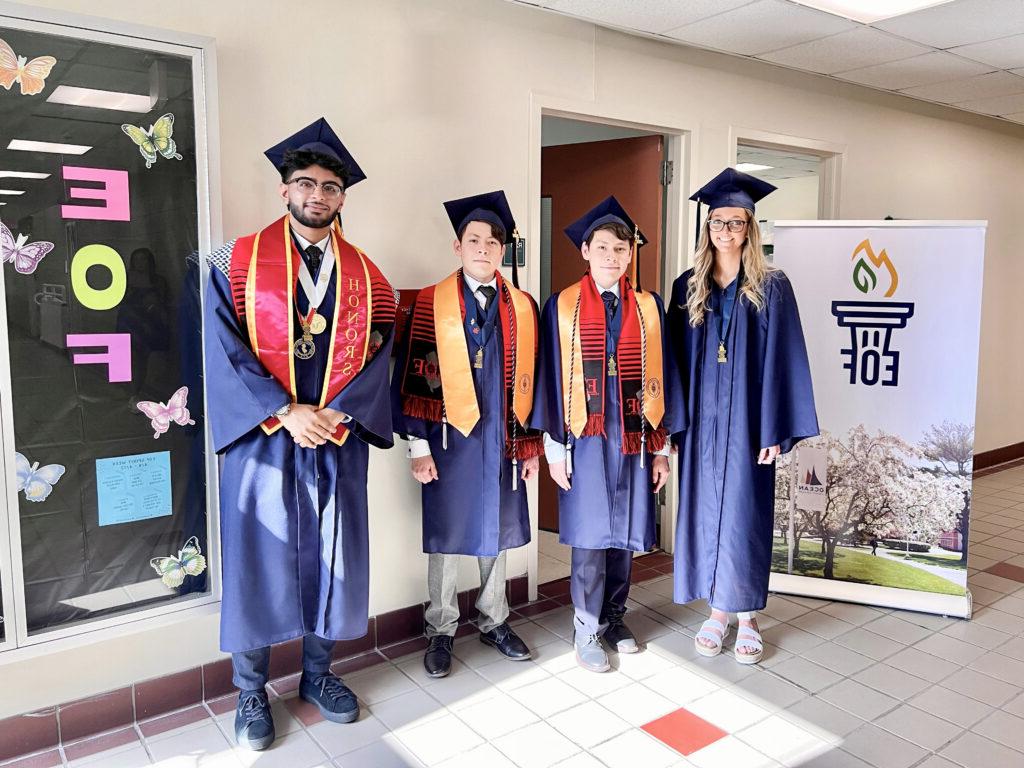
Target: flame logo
[[864, 278]]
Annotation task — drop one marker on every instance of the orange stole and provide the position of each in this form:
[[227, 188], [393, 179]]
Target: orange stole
[[264, 273]]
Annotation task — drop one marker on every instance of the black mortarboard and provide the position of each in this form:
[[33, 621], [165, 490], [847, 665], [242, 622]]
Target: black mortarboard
[[731, 189], [491, 207], [318, 137], [608, 211]]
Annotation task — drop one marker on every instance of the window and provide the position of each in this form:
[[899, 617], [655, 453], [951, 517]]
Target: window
[[102, 185]]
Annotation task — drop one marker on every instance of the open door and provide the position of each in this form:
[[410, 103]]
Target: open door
[[576, 177]]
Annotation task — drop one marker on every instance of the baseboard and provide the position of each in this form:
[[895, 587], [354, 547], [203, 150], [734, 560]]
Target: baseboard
[[988, 459]]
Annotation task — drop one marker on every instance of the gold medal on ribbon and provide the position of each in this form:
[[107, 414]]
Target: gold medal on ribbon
[[318, 324], [613, 369], [304, 348], [478, 360], [721, 352]]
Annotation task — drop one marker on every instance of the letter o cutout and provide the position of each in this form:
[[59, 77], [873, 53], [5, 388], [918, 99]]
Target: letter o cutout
[[103, 256]]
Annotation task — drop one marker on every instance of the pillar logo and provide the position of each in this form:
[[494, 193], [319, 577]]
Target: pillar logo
[[870, 358]]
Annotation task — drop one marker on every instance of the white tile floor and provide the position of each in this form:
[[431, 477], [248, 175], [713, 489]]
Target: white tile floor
[[842, 686]]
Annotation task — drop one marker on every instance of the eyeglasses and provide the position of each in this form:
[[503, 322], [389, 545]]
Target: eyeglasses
[[735, 225], [306, 186]]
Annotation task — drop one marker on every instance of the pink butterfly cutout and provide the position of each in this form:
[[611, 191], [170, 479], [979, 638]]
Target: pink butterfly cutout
[[25, 255], [161, 415]]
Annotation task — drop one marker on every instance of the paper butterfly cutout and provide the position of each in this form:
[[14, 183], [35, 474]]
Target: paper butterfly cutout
[[161, 415], [25, 255], [173, 570], [156, 141], [37, 482], [31, 75]]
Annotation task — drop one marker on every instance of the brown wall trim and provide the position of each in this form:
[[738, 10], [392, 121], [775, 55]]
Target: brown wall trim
[[997, 456]]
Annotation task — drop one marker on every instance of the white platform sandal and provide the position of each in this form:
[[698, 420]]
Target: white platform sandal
[[712, 630], [750, 639]]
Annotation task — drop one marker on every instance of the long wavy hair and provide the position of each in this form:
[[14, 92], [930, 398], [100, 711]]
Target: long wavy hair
[[754, 271]]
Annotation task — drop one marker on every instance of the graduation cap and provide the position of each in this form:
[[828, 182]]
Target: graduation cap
[[608, 211], [319, 137], [490, 207], [731, 189]]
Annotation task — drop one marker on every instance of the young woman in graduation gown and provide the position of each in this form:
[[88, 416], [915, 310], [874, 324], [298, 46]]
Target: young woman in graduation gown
[[741, 369]]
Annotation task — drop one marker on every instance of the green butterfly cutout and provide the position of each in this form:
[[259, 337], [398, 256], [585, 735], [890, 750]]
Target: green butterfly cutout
[[156, 141]]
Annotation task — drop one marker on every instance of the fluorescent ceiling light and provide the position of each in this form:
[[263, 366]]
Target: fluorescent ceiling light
[[870, 11], [23, 175], [26, 145], [748, 167], [12, 191], [91, 97]]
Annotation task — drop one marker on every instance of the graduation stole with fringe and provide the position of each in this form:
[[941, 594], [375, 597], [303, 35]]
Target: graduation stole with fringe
[[263, 274], [437, 384], [581, 336]]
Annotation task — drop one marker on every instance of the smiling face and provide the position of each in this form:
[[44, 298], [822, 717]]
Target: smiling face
[[608, 256], [314, 208], [480, 251], [726, 241]]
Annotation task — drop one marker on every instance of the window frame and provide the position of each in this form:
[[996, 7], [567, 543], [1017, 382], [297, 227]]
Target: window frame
[[17, 644]]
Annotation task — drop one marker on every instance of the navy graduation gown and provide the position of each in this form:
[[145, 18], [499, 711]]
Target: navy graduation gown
[[295, 547], [611, 502], [761, 397], [471, 508]]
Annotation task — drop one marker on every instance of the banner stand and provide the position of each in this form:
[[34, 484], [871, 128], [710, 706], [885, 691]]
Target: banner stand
[[955, 606]]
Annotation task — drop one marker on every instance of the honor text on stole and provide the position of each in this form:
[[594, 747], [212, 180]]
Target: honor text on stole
[[355, 317]]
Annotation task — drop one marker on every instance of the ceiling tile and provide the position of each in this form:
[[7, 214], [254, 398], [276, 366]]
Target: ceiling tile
[[930, 68], [655, 16], [1004, 53], [959, 23], [980, 87], [859, 47], [767, 25], [1017, 117], [996, 105]]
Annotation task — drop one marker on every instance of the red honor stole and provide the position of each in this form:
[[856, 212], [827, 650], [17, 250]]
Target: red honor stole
[[581, 335], [264, 273]]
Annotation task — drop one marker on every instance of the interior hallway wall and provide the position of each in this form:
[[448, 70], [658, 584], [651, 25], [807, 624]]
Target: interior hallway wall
[[433, 98]]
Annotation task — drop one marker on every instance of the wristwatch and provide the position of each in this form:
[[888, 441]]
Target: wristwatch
[[283, 410]]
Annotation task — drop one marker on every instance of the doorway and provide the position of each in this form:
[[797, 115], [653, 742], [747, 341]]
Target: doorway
[[582, 163]]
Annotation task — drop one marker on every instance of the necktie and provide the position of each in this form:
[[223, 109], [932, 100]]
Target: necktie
[[314, 254], [488, 293], [611, 302]]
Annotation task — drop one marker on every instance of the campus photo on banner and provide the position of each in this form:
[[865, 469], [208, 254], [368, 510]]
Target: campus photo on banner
[[877, 508]]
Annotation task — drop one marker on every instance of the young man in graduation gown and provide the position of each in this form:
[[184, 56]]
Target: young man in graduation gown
[[601, 404], [462, 391], [298, 334], [741, 370]]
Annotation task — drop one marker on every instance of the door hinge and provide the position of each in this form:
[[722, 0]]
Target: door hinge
[[667, 172]]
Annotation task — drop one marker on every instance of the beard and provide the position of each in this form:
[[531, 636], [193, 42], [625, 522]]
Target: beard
[[310, 219]]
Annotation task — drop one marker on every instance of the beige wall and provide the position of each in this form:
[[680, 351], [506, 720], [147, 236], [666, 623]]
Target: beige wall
[[795, 198], [434, 98]]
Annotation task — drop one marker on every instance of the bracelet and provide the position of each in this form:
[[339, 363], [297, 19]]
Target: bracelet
[[283, 411]]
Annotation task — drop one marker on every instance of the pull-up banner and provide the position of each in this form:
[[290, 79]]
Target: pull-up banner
[[877, 509]]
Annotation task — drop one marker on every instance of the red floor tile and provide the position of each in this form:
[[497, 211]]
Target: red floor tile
[[1007, 571], [684, 731]]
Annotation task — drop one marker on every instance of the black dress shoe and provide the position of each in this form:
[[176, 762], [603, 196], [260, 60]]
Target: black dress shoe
[[507, 642], [438, 658]]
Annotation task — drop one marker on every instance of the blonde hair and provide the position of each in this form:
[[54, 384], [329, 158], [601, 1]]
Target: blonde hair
[[754, 271]]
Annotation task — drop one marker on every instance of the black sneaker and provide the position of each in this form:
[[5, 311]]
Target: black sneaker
[[332, 697], [254, 725], [618, 635]]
